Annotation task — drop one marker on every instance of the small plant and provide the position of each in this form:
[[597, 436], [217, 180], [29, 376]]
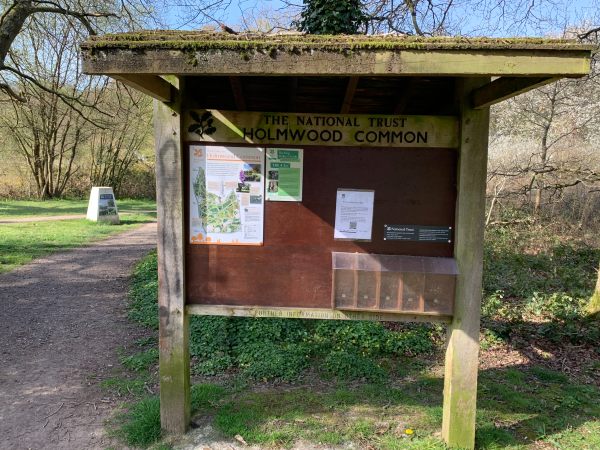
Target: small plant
[[140, 361], [141, 425], [490, 339], [345, 365], [122, 386], [267, 361]]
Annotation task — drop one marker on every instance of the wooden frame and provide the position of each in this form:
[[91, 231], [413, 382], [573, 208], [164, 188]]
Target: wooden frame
[[313, 313], [141, 60], [476, 62], [174, 357], [462, 350]]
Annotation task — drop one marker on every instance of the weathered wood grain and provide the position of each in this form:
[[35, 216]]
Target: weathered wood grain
[[152, 85], [505, 87], [462, 352], [321, 62], [174, 360], [312, 313]]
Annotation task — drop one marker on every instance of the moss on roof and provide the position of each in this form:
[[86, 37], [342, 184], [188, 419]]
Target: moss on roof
[[204, 40]]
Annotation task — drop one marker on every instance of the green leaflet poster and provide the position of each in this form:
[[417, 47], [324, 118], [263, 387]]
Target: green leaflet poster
[[284, 174]]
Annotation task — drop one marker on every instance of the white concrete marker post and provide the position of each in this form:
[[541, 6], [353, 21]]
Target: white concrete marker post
[[102, 206]]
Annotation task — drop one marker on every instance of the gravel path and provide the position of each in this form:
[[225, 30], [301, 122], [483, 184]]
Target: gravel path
[[62, 319]]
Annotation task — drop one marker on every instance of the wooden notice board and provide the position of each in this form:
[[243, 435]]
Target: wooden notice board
[[293, 266]]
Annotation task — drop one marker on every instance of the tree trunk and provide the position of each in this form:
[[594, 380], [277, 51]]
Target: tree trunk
[[593, 306]]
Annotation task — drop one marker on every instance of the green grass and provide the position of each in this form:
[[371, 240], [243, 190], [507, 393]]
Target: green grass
[[22, 242], [121, 387], [24, 208], [519, 408], [365, 383], [140, 424], [141, 361]]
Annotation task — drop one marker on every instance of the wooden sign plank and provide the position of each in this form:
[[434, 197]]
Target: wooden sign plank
[[241, 127], [313, 313]]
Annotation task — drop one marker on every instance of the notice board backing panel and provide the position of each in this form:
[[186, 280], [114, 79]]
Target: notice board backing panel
[[293, 267]]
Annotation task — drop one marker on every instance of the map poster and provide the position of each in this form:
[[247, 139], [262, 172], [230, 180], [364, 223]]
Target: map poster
[[227, 188], [284, 174], [354, 214]]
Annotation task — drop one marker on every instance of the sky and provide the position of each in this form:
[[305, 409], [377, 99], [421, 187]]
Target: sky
[[551, 16]]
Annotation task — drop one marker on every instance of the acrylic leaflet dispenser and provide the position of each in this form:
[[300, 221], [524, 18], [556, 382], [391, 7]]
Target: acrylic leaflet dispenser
[[393, 283]]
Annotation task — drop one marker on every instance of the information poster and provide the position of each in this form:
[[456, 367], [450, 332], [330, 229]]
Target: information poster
[[354, 214], [284, 174], [106, 205], [226, 195]]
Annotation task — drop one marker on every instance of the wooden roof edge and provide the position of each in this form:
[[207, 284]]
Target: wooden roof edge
[[203, 40]]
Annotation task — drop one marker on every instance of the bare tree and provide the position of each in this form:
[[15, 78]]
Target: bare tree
[[115, 148], [543, 144], [48, 132], [84, 18]]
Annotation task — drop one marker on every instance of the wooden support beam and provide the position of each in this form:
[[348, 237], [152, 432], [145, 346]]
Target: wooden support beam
[[152, 85], [238, 93], [403, 96], [462, 351], [504, 88], [293, 94], [317, 62], [174, 358], [313, 313], [349, 95]]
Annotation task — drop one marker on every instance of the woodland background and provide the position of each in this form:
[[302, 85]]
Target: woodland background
[[62, 131]]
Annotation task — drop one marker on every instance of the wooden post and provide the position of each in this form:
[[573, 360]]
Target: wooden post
[[462, 352], [174, 360]]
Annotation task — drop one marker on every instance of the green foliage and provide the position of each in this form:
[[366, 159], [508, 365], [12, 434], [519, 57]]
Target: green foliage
[[206, 396], [517, 406], [141, 423], [283, 348], [519, 262], [490, 339], [267, 361], [537, 286], [141, 361], [344, 365], [143, 294], [331, 17]]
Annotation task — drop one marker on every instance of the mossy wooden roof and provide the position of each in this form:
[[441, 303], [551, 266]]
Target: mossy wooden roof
[[202, 40], [142, 58], [170, 52]]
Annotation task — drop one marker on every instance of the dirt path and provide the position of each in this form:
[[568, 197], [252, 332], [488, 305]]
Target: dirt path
[[62, 319]]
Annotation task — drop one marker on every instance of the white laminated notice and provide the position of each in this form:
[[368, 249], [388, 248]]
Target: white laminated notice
[[354, 214]]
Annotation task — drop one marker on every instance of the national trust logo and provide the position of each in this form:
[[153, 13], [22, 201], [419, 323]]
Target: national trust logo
[[203, 125]]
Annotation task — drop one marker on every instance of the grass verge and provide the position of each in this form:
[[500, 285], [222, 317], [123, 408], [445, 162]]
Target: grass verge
[[22, 242], [24, 208]]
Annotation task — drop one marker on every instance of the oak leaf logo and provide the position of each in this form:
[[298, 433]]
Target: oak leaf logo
[[203, 125]]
